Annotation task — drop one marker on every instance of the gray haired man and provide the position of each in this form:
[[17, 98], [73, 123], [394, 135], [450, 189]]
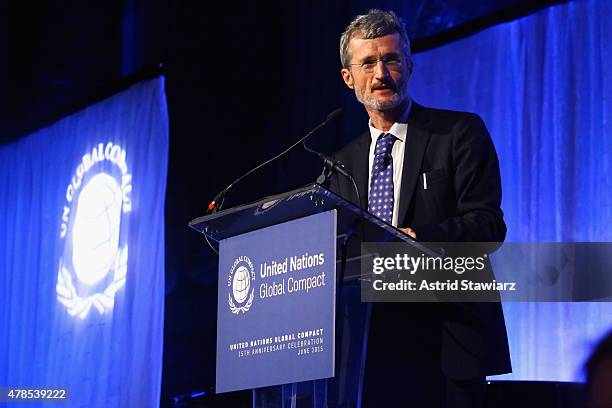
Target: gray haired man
[[434, 175]]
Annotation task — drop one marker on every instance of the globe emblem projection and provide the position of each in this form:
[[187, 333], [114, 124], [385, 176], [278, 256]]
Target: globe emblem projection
[[95, 234], [241, 284]]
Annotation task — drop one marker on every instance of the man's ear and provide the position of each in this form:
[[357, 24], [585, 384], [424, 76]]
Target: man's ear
[[410, 67], [347, 77]]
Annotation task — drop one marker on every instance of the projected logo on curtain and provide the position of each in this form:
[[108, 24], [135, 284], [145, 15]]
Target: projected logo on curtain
[[93, 266]]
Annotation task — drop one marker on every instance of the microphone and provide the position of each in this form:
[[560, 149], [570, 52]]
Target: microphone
[[332, 165], [334, 114], [217, 203]]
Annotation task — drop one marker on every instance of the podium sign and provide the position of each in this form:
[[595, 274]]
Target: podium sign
[[276, 305]]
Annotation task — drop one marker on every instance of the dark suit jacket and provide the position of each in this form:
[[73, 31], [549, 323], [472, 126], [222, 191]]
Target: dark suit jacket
[[461, 203]]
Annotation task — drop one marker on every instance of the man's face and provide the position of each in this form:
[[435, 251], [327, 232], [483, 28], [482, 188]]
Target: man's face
[[386, 87]]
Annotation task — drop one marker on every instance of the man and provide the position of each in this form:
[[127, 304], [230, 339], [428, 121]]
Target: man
[[434, 174], [599, 374]]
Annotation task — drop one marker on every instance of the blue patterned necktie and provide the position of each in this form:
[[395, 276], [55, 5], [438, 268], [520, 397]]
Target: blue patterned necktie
[[380, 200]]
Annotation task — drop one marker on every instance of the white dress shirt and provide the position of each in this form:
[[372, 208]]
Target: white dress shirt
[[399, 130]]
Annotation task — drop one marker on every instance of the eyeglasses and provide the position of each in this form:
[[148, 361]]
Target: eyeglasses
[[392, 62]]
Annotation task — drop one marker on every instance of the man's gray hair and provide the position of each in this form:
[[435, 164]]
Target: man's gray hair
[[375, 24]]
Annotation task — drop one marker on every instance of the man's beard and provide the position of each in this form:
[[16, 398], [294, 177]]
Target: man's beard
[[371, 102]]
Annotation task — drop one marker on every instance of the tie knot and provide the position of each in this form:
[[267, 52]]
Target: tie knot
[[384, 144]]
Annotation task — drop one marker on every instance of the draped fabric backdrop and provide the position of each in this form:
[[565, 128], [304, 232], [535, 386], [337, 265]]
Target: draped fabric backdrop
[[82, 252], [542, 85]]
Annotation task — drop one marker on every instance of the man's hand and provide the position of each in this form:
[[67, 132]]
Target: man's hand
[[409, 231]]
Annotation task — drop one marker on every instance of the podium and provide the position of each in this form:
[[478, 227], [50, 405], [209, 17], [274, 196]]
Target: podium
[[353, 226]]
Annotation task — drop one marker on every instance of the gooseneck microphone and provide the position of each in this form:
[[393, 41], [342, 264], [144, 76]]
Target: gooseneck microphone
[[217, 203], [332, 165]]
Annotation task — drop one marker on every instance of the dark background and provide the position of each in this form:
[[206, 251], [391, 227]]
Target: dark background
[[243, 80]]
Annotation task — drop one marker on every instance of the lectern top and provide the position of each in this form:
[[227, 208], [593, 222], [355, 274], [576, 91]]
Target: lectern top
[[310, 199]]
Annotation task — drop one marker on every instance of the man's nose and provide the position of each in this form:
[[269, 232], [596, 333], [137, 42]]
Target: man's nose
[[380, 70]]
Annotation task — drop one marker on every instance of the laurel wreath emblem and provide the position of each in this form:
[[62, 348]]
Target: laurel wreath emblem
[[237, 309], [80, 306]]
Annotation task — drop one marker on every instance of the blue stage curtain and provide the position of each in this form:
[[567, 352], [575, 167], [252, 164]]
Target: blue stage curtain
[[542, 85], [78, 310]]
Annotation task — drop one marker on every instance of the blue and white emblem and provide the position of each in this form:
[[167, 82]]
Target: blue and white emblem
[[93, 266], [240, 283]]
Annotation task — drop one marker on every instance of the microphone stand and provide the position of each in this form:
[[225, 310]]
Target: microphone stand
[[217, 203]]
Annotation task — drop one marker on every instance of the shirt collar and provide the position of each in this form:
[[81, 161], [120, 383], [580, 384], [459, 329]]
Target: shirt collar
[[399, 128]]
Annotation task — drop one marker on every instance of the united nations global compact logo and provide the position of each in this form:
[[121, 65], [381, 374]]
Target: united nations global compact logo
[[93, 230], [241, 293]]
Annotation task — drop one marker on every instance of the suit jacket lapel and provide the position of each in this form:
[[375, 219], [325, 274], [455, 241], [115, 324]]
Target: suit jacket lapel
[[417, 139], [361, 172]]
